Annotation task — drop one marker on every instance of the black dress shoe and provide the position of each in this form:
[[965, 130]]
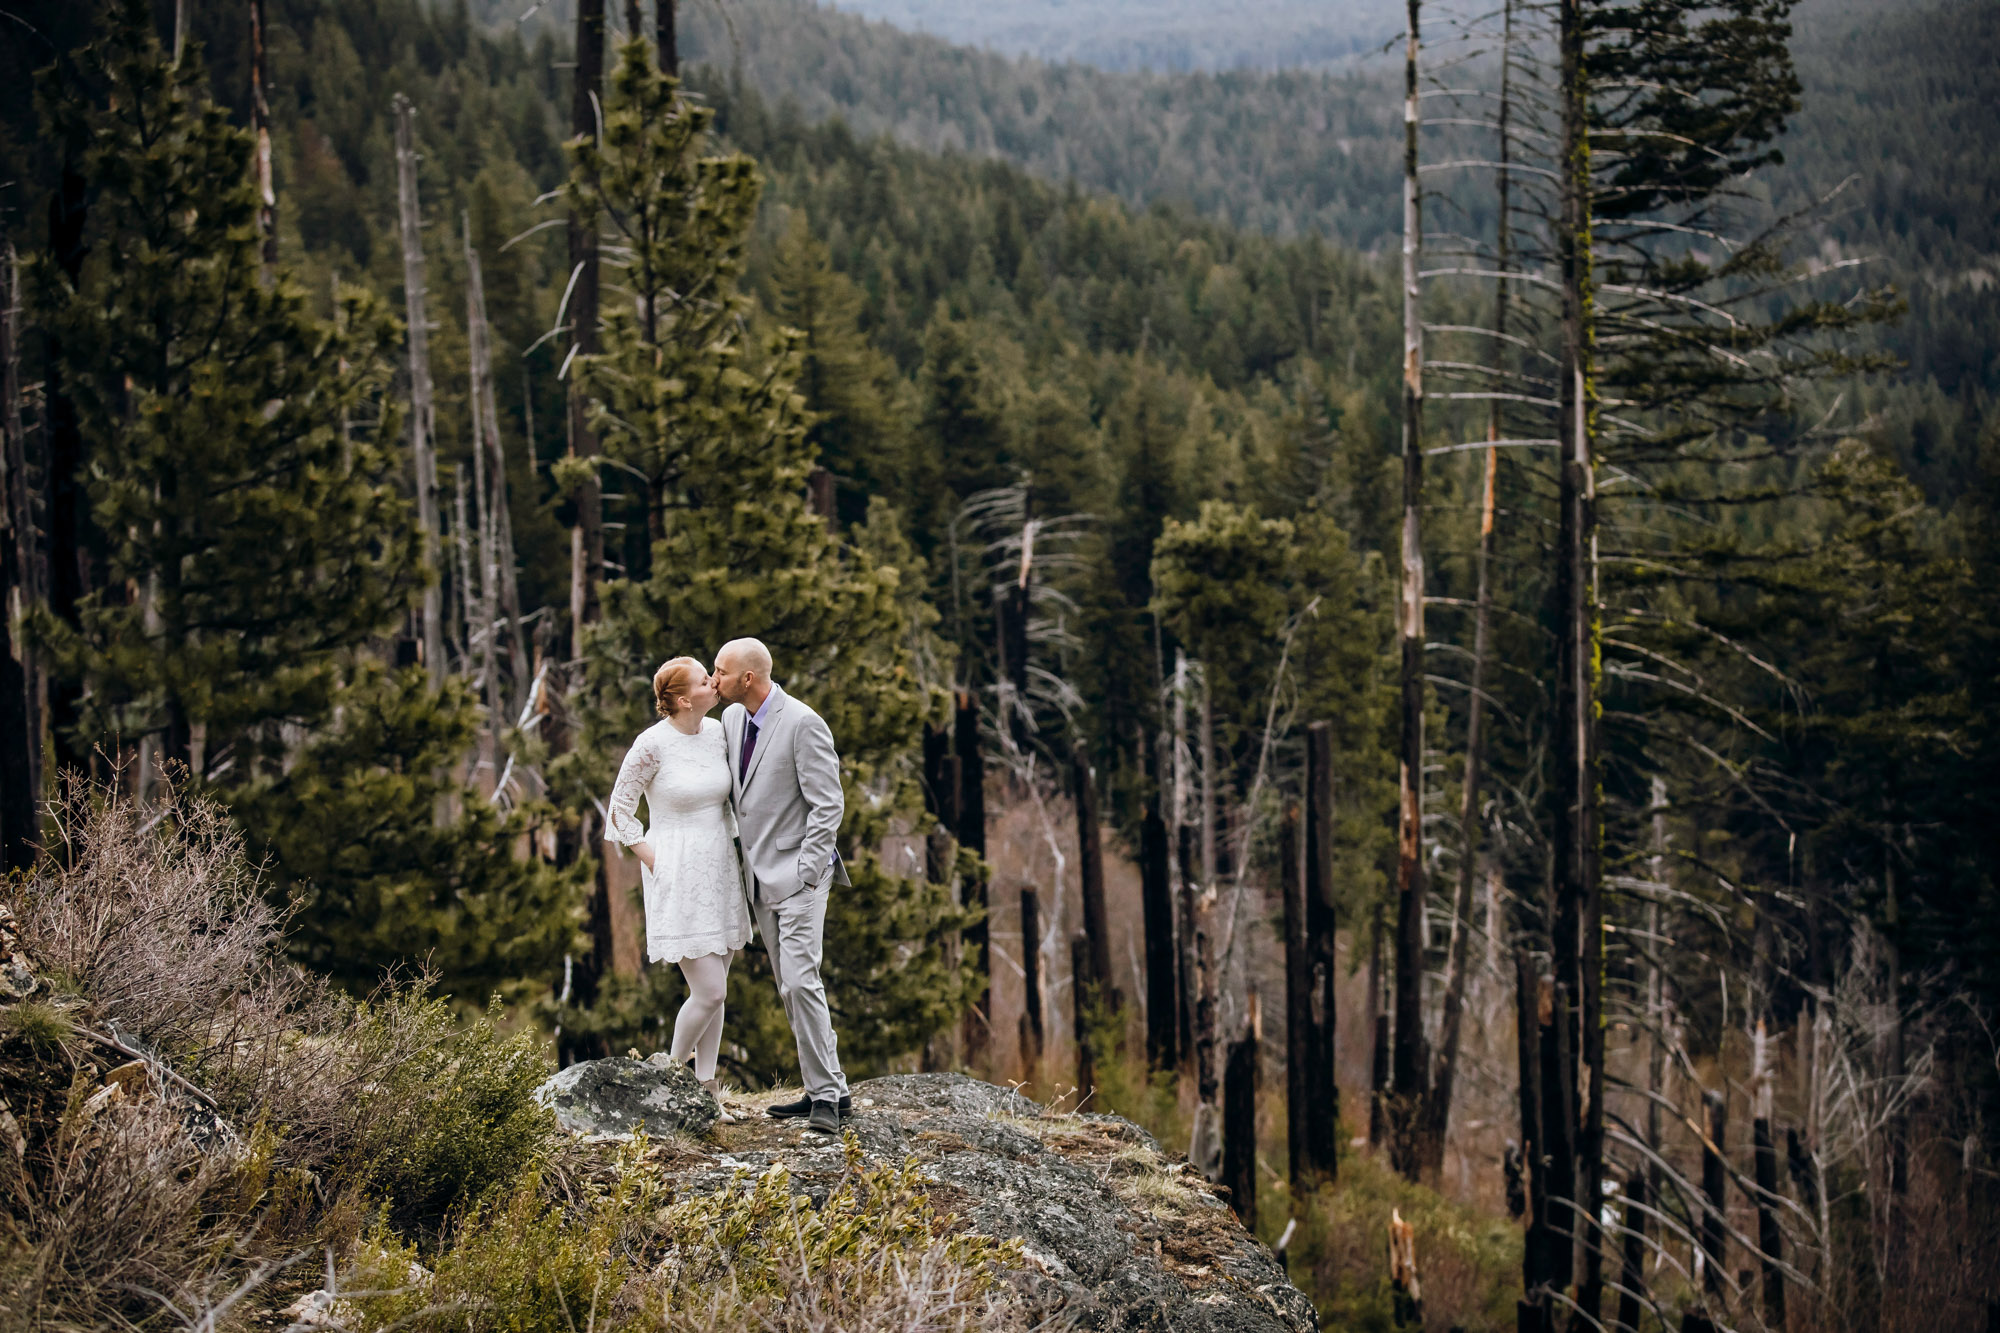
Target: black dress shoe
[[802, 1108], [825, 1118]]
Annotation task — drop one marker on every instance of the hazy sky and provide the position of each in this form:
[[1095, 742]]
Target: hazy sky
[[1159, 34]]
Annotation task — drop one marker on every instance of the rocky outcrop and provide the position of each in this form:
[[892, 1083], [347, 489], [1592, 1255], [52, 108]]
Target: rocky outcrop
[[1117, 1235], [617, 1096]]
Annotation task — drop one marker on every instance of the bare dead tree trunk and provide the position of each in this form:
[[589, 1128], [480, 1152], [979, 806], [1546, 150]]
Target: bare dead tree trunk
[[499, 522], [485, 620], [1032, 1034], [1298, 1000], [260, 125], [1632, 1270], [20, 590], [1378, 1026], [1239, 1117], [669, 38], [1205, 1137], [1533, 1003], [422, 421], [587, 537], [66, 508], [1578, 934], [1410, 1069], [1322, 1087], [971, 811], [1714, 1184], [1209, 863], [1770, 1239], [1445, 1076], [1184, 854], [1162, 977], [1090, 876], [1079, 972]]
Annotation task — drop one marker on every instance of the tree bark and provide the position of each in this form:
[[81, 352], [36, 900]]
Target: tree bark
[[1032, 1034], [502, 590], [1578, 935], [260, 124], [1299, 1025], [1162, 977], [587, 535], [1090, 875], [422, 420], [1322, 1086], [669, 39], [71, 537], [20, 589], [1530, 1020], [1086, 1061], [1632, 1271], [1445, 1077], [1770, 1239], [1239, 1118], [486, 618], [970, 769], [1714, 1185], [1409, 1063], [1378, 1027]]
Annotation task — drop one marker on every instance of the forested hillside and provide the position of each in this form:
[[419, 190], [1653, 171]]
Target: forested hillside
[[1532, 586]]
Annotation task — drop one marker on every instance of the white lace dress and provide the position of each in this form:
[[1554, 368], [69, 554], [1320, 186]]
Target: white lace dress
[[694, 892]]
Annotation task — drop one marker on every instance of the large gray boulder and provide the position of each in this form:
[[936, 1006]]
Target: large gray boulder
[[1118, 1234], [619, 1096]]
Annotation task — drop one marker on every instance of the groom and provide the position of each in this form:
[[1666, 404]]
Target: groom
[[788, 806]]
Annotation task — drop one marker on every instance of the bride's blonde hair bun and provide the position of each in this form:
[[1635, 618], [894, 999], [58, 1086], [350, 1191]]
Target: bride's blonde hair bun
[[672, 681]]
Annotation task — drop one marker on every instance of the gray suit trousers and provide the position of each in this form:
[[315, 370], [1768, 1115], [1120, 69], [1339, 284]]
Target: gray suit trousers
[[793, 931]]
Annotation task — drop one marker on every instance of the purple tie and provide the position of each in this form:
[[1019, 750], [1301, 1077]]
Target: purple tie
[[749, 748]]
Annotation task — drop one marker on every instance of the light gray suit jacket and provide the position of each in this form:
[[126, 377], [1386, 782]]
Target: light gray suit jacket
[[788, 801]]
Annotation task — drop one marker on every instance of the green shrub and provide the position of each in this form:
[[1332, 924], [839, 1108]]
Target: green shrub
[[875, 1255], [42, 1026], [519, 1263], [451, 1122]]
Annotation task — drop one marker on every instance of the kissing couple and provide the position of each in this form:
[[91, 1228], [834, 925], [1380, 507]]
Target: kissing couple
[[742, 815]]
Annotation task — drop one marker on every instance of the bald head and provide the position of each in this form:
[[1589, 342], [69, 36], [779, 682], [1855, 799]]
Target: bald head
[[743, 672]]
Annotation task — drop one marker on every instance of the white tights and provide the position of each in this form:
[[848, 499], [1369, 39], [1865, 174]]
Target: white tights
[[698, 1027]]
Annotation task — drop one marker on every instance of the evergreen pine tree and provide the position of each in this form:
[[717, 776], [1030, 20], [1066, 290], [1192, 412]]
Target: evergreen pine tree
[[252, 541], [682, 394], [243, 470]]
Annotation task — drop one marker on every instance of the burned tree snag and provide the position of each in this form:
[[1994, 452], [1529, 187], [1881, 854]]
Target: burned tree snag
[[1409, 1078], [1239, 1118], [1299, 1026], [1162, 977], [1090, 874], [422, 421], [587, 533], [1080, 991], [1321, 1122], [1632, 1270], [1714, 1184], [1032, 1034]]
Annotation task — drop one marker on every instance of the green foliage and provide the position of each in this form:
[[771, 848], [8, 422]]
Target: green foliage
[[518, 1262], [261, 536], [1287, 621], [41, 1025], [452, 1122], [737, 551], [760, 1239], [351, 831]]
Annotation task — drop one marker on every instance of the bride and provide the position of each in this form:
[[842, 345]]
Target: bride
[[695, 910]]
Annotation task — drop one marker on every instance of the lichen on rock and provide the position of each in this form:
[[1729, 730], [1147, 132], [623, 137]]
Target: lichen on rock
[[1116, 1234], [618, 1096]]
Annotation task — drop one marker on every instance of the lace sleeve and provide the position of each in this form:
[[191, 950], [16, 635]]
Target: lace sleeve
[[642, 762]]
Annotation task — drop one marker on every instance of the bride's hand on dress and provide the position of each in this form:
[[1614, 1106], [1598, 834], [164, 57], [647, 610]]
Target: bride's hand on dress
[[644, 852]]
